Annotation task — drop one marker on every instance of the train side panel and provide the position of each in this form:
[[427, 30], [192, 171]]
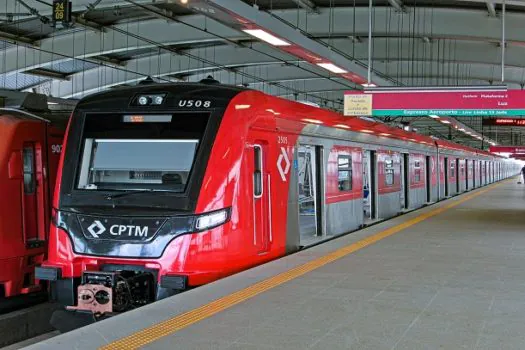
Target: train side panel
[[389, 183], [417, 181]]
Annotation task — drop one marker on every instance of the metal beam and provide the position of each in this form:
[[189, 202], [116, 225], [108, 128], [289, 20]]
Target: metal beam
[[308, 5], [46, 73], [491, 9], [103, 77], [234, 12], [398, 5]]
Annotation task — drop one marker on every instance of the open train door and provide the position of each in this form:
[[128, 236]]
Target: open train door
[[310, 193], [369, 186]]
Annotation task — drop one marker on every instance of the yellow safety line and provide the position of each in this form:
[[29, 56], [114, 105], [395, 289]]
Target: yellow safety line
[[172, 325]]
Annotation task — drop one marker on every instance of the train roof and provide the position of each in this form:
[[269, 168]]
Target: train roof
[[223, 94]]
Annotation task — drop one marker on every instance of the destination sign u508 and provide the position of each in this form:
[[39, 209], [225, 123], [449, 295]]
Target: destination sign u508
[[504, 122]]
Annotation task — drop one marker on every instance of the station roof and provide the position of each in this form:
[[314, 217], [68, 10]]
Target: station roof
[[119, 42]]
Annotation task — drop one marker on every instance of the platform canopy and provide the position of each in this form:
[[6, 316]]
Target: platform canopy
[[111, 43]]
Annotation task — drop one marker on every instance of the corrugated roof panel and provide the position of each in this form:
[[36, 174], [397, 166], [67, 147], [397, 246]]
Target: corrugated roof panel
[[19, 81], [70, 66]]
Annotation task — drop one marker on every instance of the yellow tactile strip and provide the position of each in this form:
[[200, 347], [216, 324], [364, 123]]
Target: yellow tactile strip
[[172, 325]]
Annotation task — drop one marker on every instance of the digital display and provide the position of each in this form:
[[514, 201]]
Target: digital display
[[504, 121], [147, 118]]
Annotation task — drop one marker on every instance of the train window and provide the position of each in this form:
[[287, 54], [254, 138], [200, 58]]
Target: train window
[[389, 172], [452, 174], [117, 155], [257, 174], [417, 172], [29, 170], [344, 167]]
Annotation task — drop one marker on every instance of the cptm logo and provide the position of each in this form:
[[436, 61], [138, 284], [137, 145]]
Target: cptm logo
[[283, 168], [97, 228]]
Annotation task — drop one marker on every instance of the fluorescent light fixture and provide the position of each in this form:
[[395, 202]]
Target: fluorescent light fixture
[[369, 85], [342, 126], [52, 103], [413, 140], [445, 122], [434, 116], [267, 37], [313, 121], [384, 134], [461, 129], [367, 131], [332, 68]]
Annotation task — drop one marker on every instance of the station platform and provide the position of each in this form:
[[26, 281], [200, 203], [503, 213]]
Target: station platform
[[449, 276]]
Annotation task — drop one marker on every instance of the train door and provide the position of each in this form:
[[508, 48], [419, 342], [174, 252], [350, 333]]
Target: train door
[[309, 172], [428, 178], [406, 174], [458, 176], [369, 186], [467, 174], [30, 201], [447, 192], [262, 235]]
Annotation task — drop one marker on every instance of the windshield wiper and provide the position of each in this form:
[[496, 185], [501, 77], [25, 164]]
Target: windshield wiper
[[111, 197]]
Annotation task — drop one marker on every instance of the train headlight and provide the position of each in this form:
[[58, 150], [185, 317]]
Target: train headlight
[[143, 100], [158, 100], [207, 221]]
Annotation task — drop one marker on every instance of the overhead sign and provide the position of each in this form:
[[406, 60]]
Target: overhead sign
[[507, 149], [413, 103], [504, 122], [358, 105]]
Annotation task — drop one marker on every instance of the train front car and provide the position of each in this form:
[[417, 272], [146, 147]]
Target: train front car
[[148, 198]]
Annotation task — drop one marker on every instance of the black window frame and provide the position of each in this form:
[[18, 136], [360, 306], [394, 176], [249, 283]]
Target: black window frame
[[345, 168]]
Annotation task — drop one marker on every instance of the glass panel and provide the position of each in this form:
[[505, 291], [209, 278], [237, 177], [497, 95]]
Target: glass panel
[[389, 172], [138, 164], [29, 174], [344, 173], [145, 154]]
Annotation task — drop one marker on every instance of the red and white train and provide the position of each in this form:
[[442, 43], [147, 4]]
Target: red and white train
[[165, 187], [30, 143]]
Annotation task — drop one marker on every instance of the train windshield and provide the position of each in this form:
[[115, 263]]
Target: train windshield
[[128, 153]]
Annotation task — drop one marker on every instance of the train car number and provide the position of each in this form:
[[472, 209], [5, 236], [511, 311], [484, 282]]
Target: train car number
[[195, 103], [56, 148], [282, 140]]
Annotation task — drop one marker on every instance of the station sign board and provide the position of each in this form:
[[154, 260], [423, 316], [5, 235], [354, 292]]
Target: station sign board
[[414, 103], [504, 122]]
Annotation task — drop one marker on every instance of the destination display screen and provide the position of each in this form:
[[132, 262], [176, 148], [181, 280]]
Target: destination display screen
[[504, 121]]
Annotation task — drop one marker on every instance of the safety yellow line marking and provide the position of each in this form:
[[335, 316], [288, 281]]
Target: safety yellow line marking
[[172, 325]]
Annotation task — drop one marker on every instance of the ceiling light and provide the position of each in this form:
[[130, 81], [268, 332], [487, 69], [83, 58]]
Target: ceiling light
[[369, 85], [434, 116], [265, 36], [384, 134], [445, 122], [314, 121], [367, 131], [52, 103], [342, 126], [332, 68], [462, 129]]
